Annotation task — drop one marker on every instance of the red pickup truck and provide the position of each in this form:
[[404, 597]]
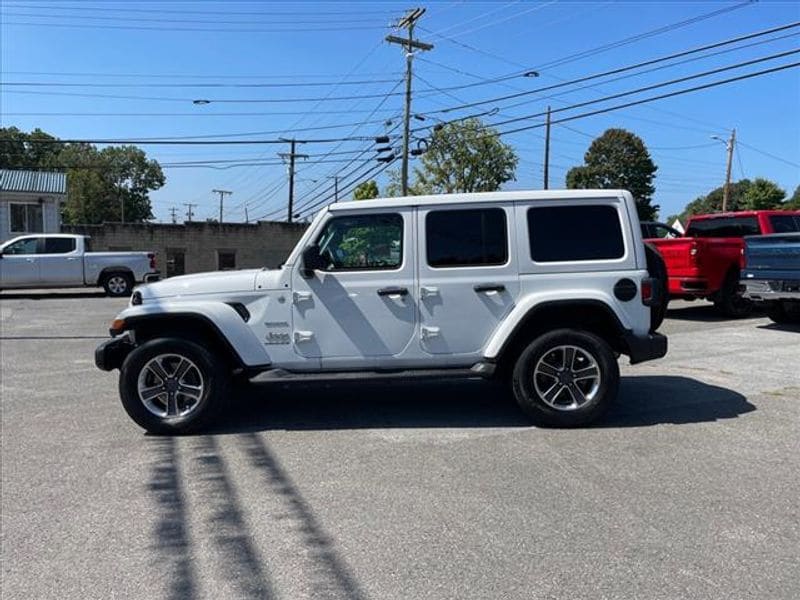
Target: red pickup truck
[[705, 262]]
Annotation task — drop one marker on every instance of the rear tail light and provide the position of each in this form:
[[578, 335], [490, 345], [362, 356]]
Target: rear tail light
[[152, 258], [647, 291], [693, 252]]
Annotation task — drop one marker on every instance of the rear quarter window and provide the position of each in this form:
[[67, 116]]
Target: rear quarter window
[[578, 232], [723, 227], [785, 223]]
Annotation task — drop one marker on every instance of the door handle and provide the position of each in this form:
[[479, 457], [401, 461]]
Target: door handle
[[299, 297], [30, 260], [428, 292], [393, 291], [72, 259], [489, 287]]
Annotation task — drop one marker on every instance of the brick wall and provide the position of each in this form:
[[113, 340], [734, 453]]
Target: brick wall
[[263, 244]]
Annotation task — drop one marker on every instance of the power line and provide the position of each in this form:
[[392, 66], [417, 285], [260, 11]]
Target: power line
[[649, 87], [192, 29], [619, 69], [129, 18], [778, 158], [183, 11]]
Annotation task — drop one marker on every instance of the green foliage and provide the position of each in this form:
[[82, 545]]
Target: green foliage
[[366, 190], [618, 159], [793, 203], [99, 182], [463, 156], [763, 194], [758, 194]]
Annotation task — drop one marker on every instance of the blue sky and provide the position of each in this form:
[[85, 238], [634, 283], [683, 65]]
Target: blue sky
[[151, 58]]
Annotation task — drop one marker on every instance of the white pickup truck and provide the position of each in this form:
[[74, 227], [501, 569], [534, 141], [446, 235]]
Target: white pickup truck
[[61, 260]]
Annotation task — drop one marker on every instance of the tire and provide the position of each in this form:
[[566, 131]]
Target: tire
[[729, 301], [532, 385], [168, 410], [657, 269], [118, 284], [781, 313]]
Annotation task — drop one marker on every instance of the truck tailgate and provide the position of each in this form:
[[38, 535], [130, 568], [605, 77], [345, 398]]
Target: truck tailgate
[[774, 256]]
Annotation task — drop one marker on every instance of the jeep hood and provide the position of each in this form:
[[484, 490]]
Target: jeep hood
[[202, 283]]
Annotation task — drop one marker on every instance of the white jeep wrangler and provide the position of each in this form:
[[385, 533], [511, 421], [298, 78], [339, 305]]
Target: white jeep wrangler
[[544, 289]]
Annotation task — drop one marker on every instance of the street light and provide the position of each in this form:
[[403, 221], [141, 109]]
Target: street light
[[201, 101]]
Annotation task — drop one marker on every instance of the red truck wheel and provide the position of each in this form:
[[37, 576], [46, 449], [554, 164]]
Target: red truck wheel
[[729, 300]]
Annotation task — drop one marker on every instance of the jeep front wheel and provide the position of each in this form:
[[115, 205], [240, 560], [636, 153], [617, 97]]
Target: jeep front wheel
[[566, 378], [170, 385]]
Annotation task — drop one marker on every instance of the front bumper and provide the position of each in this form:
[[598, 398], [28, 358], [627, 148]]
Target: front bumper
[[111, 354], [645, 347]]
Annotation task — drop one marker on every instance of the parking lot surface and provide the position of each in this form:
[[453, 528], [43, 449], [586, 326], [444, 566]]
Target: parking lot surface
[[689, 488]]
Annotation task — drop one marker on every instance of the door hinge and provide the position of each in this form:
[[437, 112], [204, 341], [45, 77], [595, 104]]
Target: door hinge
[[430, 332], [303, 336]]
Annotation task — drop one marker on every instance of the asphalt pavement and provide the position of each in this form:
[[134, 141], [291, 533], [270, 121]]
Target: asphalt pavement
[[689, 488]]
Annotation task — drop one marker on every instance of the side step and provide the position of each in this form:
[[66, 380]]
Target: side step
[[481, 369]]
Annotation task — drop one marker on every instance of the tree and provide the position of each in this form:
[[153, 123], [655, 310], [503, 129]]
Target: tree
[[99, 182], [618, 159], [793, 203], [462, 156], [763, 194], [366, 190], [745, 194], [20, 150]]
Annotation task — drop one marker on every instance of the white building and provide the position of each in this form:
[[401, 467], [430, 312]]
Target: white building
[[30, 202]]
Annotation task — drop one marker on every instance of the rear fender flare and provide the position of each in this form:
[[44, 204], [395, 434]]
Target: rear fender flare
[[532, 304]]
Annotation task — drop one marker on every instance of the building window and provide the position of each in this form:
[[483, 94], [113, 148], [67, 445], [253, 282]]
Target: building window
[[226, 260], [26, 218], [176, 264], [466, 238]]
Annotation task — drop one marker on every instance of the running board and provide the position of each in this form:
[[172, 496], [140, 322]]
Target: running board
[[481, 369]]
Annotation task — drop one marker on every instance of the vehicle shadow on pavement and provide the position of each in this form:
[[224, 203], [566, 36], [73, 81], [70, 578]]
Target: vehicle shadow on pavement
[[792, 327], [656, 400], [705, 312], [643, 401]]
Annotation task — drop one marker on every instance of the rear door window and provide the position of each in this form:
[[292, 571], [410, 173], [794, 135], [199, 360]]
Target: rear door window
[[732, 227], [785, 223], [466, 238], [578, 232], [59, 245]]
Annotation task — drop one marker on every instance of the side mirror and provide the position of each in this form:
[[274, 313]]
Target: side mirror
[[312, 260]]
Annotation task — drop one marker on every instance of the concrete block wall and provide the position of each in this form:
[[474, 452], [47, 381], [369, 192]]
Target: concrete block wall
[[256, 245]]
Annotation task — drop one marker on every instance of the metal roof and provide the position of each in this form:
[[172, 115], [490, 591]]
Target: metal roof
[[37, 182]]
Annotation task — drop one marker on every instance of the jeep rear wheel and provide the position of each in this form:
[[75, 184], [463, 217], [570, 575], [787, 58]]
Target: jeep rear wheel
[[566, 378], [657, 269], [170, 385], [784, 312]]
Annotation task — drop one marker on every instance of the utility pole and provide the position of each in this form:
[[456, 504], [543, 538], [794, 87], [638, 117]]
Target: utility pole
[[547, 151], [335, 188], [189, 212], [409, 44], [173, 211], [291, 155], [246, 218], [221, 196], [726, 193]]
